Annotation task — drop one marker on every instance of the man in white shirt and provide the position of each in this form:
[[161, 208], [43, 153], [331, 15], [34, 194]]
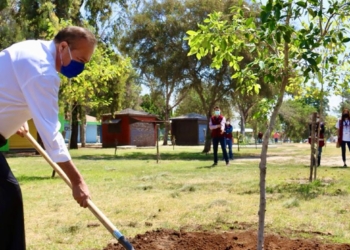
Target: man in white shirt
[[29, 86]]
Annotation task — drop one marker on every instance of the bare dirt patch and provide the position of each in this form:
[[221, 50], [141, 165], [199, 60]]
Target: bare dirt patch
[[165, 239]]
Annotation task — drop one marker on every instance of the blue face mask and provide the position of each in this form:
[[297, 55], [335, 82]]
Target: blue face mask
[[217, 112], [73, 69]]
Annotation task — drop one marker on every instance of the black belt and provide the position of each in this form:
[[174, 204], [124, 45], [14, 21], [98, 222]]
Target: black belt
[[3, 141]]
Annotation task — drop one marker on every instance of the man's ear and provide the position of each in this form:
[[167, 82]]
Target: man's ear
[[62, 46]]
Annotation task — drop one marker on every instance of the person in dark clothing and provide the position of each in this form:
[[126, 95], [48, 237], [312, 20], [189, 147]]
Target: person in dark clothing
[[343, 127], [229, 138], [320, 140], [260, 136], [11, 207], [217, 127]]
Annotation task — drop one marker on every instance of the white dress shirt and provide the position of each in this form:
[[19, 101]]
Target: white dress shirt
[[346, 129], [29, 86], [222, 124]]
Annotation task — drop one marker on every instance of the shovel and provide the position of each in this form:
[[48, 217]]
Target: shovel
[[93, 208]]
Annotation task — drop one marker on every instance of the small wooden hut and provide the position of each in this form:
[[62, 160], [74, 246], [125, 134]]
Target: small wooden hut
[[129, 127], [189, 129]]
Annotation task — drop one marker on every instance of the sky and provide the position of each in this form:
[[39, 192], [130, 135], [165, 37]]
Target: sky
[[334, 102]]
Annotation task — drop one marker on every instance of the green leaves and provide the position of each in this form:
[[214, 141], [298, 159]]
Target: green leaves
[[302, 4], [345, 40], [312, 12], [264, 15], [191, 33], [311, 50], [217, 39], [3, 4], [103, 77]]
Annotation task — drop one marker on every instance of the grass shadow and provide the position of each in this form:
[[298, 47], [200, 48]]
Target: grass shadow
[[306, 191], [327, 167], [210, 166], [198, 156], [25, 178], [149, 156]]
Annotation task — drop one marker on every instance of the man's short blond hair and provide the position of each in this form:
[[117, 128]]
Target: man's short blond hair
[[73, 34]]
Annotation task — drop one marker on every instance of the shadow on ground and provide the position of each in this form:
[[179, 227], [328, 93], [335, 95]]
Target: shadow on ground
[[198, 156], [24, 178]]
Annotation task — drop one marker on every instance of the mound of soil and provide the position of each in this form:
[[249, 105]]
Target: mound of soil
[[164, 239]]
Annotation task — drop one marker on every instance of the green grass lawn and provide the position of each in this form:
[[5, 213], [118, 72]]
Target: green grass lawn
[[183, 191]]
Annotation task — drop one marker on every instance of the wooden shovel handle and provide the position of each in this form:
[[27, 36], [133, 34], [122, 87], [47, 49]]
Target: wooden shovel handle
[[93, 208]]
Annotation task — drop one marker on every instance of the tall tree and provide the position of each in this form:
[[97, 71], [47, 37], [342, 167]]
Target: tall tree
[[313, 98], [192, 104], [292, 48], [153, 105], [101, 84], [10, 32], [155, 42], [295, 118]]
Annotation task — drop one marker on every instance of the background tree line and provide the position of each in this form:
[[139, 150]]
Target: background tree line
[[144, 43]]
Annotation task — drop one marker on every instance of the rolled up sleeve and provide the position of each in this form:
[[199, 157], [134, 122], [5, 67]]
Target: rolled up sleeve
[[211, 126], [222, 124], [41, 95]]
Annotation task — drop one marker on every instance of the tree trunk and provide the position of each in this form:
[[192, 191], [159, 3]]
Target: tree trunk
[[263, 172], [242, 125], [82, 127], [166, 128], [73, 142], [157, 143], [83, 134], [207, 143], [262, 185], [263, 165]]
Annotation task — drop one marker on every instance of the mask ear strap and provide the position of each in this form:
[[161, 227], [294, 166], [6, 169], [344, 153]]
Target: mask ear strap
[[61, 58], [70, 54]]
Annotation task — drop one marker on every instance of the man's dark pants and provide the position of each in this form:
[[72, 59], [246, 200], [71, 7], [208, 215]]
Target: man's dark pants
[[216, 141], [12, 235]]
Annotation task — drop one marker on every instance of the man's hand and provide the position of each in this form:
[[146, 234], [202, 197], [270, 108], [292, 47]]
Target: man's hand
[[23, 130], [81, 194], [80, 190]]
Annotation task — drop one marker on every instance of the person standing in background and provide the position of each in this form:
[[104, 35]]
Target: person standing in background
[[320, 139], [260, 136], [276, 136], [217, 127], [343, 129], [229, 138]]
